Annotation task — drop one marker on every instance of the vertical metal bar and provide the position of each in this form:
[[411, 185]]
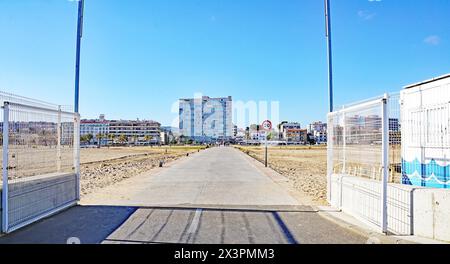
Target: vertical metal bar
[[266, 152], [5, 209], [330, 53], [344, 144], [385, 165], [344, 161], [77, 66], [330, 161], [58, 148], [76, 149]]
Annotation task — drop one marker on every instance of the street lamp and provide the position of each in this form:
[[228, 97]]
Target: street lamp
[[77, 66], [330, 54]]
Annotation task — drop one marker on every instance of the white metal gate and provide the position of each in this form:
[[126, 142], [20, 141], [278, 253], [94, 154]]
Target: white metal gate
[[40, 161]]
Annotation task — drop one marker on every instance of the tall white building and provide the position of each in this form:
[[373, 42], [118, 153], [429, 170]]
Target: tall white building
[[205, 119]]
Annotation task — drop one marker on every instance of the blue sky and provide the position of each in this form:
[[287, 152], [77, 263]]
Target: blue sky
[[139, 57]]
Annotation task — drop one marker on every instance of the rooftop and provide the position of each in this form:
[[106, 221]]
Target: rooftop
[[428, 81]]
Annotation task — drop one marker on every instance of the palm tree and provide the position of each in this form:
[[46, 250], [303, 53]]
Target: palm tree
[[112, 138], [89, 138], [123, 139], [84, 139], [148, 138], [100, 137]]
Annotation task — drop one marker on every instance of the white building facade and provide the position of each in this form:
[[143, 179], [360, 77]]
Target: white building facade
[[425, 136], [138, 132], [135, 131], [318, 131], [206, 119], [95, 128]]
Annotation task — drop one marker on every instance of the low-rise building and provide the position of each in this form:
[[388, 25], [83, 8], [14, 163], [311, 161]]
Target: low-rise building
[[167, 136], [320, 137], [108, 132], [318, 132], [138, 132], [293, 132], [98, 128]]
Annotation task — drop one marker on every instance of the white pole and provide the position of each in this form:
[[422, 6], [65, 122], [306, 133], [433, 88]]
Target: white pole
[[344, 144], [58, 149], [344, 161], [330, 155], [5, 210], [76, 149], [267, 154], [385, 165]]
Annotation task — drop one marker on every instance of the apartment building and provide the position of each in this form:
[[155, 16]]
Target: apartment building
[[138, 132], [135, 132], [95, 127], [317, 126], [318, 131], [206, 119]]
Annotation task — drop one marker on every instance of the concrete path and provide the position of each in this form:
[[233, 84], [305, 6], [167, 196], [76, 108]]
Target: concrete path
[[219, 176], [216, 196]]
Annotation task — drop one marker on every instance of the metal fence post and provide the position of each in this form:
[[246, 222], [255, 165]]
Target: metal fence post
[[344, 144], [385, 164], [330, 156], [76, 148], [58, 146], [344, 161], [5, 209]]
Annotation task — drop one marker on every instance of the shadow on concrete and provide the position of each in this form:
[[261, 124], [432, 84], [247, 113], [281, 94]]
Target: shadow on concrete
[[88, 224], [184, 225]]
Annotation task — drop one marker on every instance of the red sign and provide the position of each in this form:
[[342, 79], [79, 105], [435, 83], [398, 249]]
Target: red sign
[[267, 125]]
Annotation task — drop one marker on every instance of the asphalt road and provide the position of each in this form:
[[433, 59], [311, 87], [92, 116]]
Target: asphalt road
[[217, 196]]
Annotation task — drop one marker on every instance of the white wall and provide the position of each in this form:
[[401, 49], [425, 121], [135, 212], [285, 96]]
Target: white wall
[[411, 210], [432, 213]]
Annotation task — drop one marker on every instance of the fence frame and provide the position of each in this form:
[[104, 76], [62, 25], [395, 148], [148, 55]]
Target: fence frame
[[5, 209], [383, 101], [385, 164], [6, 228]]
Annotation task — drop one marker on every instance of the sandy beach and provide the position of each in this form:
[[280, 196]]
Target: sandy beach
[[305, 167], [107, 166]]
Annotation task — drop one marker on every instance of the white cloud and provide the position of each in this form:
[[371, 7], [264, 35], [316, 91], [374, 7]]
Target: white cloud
[[432, 40]]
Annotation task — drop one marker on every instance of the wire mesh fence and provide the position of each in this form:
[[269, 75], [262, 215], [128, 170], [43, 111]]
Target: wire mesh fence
[[356, 137], [40, 157], [356, 140], [365, 150], [40, 142], [395, 138]]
